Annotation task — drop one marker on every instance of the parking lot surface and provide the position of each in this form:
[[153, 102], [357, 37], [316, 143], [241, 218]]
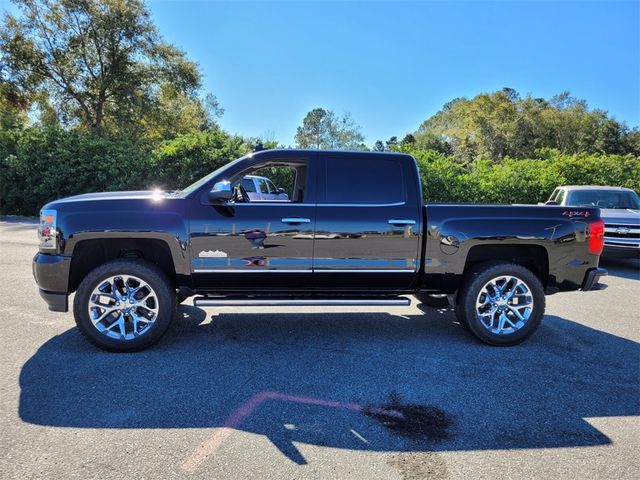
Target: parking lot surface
[[338, 393]]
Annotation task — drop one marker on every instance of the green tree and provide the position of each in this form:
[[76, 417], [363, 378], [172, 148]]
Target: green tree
[[181, 161], [99, 65], [503, 124], [323, 129]]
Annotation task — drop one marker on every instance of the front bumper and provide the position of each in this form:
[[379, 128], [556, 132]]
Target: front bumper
[[621, 252], [58, 302], [591, 278], [51, 273]]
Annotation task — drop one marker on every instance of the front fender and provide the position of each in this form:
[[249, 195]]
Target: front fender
[[169, 227]]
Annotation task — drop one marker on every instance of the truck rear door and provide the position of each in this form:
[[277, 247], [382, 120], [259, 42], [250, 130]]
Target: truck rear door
[[368, 221]]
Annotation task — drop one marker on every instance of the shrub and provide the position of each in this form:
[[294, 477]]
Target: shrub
[[183, 160], [43, 164], [39, 164]]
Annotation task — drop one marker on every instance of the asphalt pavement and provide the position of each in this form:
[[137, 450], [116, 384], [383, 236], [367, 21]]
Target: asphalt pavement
[[276, 393]]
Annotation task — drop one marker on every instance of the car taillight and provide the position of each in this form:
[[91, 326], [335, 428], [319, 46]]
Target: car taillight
[[595, 237]]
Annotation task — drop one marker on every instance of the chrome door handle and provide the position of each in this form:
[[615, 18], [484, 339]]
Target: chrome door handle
[[295, 220], [401, 221]]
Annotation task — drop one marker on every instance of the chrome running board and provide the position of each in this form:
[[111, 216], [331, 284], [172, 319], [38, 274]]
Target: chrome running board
[[311, 301]]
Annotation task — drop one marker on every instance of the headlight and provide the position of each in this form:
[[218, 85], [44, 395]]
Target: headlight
[[47, 233]]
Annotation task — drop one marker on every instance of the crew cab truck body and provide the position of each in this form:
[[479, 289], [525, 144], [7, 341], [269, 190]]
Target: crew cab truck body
[[354, 232]]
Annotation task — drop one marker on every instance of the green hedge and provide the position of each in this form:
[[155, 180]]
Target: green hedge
[[44, 164], [183, 160], [41, 164], [521, 180]]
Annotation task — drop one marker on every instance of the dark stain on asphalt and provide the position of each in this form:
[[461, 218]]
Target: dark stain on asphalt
[[416, 422]]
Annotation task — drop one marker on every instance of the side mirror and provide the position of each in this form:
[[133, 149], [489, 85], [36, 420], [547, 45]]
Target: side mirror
[[551, 202], [221, 192], [282, 190]]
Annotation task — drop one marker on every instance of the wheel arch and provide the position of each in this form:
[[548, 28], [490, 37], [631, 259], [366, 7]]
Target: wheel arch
[[91, 253], [532, 257]]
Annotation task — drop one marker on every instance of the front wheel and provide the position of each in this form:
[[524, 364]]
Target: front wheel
[[124, 305], [501, 304]]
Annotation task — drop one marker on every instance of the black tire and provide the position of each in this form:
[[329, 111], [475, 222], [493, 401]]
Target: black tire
[[149, 273], [473, 284], [432, 300], [457, 309]]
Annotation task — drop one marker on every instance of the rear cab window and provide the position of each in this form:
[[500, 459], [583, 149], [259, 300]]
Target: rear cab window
[[363, 181]]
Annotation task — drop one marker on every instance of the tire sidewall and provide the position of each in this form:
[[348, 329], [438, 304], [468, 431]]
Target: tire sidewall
[[477, 281], [145, 271]]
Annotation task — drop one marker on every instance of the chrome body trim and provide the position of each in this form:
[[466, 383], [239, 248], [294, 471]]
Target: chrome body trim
[[295, 220], [247, 270], [401, 221], [272, 270], [268, 302], [364, 270]]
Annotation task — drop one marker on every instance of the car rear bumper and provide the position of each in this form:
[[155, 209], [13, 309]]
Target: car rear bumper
[[591, 278]]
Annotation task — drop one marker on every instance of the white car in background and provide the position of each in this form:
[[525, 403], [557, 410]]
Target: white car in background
[[261, 188], [619, 208]]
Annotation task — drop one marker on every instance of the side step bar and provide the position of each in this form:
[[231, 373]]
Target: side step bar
[[311, 301]]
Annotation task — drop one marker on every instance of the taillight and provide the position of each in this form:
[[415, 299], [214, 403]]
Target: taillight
[[595, 237]]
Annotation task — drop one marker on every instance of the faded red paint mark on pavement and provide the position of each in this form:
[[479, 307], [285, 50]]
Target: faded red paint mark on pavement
[[212, 444]]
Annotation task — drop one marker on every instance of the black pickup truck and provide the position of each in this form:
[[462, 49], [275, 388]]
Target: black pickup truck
[[353, 231]]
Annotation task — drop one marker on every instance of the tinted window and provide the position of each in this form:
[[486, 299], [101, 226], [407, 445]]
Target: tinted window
[[560, 197], [248, 185], [604, 199], [364, 180]]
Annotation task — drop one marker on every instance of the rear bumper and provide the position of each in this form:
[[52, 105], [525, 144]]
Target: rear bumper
[[591, 278]]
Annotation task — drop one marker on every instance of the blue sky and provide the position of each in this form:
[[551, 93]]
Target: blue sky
[[393, 64]]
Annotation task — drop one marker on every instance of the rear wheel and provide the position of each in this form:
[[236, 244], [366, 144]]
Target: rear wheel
[[501, 304], [124, 305]]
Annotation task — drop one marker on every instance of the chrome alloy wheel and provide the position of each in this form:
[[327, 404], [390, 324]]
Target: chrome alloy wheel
[[123, 307], [504, 305]]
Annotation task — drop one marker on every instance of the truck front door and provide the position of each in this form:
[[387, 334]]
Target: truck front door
[[260, 244]]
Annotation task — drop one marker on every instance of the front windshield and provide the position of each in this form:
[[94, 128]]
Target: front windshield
[[604, 199], [198, 183]]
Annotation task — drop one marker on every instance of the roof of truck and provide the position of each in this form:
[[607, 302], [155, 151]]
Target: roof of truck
[[289, 152]]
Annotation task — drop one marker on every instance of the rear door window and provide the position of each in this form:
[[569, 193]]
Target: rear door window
[[369, 181]]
